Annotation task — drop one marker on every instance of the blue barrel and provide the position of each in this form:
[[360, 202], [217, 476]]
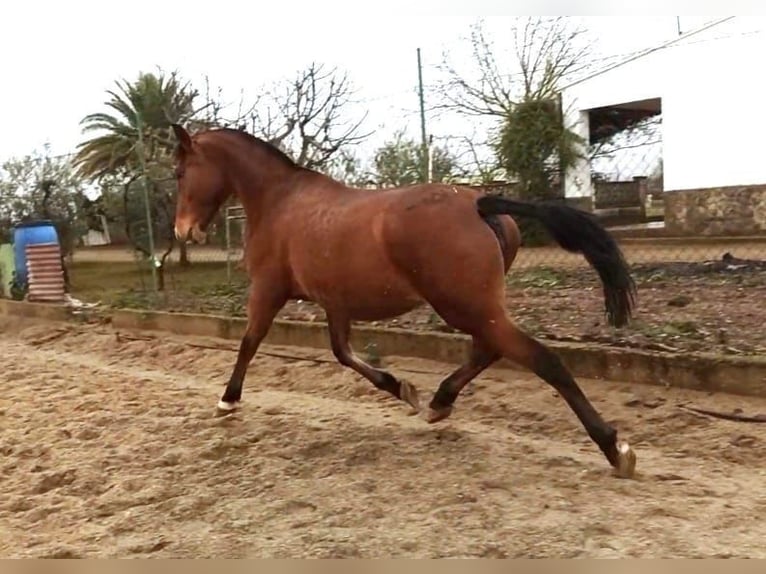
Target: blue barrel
[[30, 233]]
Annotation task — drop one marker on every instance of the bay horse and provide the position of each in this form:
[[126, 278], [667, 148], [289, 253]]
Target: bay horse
[[370, 255]]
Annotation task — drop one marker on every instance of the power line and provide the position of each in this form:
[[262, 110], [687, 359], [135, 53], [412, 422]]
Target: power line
[[648, 51], [718, 38]]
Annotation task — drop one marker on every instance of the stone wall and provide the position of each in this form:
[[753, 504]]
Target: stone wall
[[728, 211]]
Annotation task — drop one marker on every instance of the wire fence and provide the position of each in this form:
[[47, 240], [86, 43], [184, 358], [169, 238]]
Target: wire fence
[[227, 262], [639, 244], [694, 294]]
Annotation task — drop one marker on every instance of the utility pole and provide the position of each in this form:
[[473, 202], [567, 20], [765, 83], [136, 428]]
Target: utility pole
[[678, 24], [424, 141], [150, 232]]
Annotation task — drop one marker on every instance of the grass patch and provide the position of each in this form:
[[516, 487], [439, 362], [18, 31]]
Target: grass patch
[[670, 329], [538, 277], [128, 284]]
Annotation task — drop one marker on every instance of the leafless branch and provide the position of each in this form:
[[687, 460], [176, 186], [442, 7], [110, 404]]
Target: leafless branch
[[643, 133], [545, 53], [305, 116], [473, 162]]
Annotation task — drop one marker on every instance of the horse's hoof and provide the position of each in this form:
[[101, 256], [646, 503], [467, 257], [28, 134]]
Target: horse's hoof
[[435, 415], [224, 408], [626, 461], [410, 396]]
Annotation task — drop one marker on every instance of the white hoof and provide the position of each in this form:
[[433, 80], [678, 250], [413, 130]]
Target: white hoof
[[224, 407], [626, 465]]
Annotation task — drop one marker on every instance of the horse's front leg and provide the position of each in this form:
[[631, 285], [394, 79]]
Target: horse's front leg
[[340, 330], [263, 304]]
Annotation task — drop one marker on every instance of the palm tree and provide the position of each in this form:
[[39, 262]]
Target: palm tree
[[151, 103]]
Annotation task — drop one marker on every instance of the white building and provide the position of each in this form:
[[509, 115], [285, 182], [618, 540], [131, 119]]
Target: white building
[[708, 86]]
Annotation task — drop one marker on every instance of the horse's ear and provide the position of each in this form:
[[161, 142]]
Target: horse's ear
[[183, 137]]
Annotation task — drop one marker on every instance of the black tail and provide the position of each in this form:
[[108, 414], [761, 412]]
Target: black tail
[[580, 232]]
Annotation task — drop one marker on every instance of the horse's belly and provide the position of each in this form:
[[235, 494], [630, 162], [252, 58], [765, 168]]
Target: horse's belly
[[363, 296], [377, 306]]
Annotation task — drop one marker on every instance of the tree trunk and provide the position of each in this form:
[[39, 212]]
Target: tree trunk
[[65, 270], [183, 256]]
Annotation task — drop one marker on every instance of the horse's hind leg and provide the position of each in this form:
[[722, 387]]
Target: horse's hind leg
[[340, 330], [514, 344], [482, 356]]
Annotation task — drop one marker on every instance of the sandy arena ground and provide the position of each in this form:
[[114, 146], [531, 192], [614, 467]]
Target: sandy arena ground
[[110, 448]]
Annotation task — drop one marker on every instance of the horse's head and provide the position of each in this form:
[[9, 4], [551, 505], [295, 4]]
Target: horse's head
[[201, 187]]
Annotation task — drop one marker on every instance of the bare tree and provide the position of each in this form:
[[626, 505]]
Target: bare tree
[[545, 52], [489, 93], [517, 91], [550, 51], [306, 116]]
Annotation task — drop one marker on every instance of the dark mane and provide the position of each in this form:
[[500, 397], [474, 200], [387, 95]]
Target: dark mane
[[263, 144]]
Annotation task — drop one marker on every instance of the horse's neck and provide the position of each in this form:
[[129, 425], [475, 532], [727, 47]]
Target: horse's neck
[[263, 185], [257, 180]]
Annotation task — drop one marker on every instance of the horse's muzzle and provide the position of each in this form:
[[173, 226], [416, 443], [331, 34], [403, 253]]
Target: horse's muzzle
[[183, 232], [193, 232]]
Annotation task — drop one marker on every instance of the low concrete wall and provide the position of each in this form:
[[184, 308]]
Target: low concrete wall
[[45, 311], [712, 373], [736, 210]]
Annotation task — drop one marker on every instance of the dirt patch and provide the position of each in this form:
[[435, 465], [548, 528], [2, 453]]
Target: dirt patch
[[110, 449]]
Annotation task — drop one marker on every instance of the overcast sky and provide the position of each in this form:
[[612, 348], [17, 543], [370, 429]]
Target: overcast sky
[[60, 57]]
